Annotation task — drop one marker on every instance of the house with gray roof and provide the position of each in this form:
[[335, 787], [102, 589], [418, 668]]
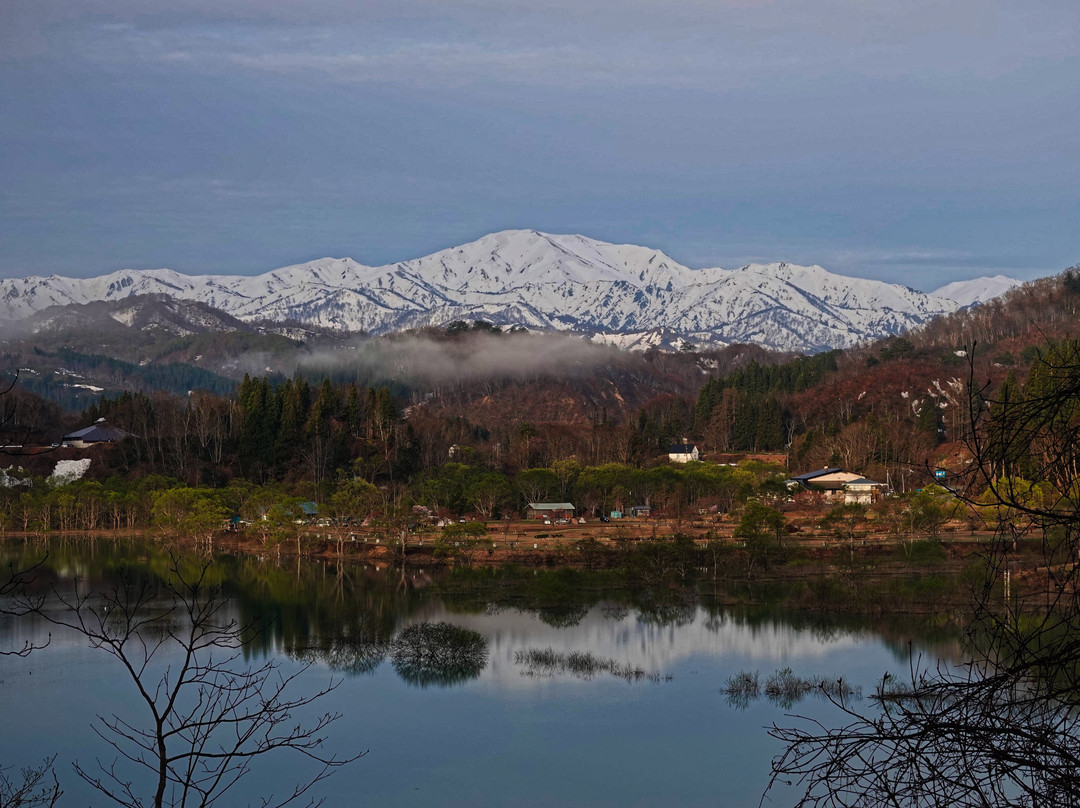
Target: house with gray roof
[[97, 434]]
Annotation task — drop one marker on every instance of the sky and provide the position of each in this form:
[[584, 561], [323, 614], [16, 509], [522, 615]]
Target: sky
[[910, 141]]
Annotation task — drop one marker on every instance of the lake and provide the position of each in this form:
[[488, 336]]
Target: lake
[[658, 729]]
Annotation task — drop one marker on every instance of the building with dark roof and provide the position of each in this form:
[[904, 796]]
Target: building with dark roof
[[835, 483], [94, 435], [683, 452]]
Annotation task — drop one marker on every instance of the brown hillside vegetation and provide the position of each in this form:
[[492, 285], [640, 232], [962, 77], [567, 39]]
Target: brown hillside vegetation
[[516, 400]]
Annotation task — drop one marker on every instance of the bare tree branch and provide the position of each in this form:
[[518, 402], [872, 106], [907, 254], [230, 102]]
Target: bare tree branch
[[1003, 728], [36, 786], [210, 714]]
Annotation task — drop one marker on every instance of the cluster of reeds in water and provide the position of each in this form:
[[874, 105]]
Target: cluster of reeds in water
[[784, 688], [582, 664]]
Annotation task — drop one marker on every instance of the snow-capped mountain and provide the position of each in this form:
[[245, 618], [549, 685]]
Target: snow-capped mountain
[[976, 290], [563, 282]]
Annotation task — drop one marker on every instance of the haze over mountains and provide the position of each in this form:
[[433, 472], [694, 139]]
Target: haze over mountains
[[541, 281]]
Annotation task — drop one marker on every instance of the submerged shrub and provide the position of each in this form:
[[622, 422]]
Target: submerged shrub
[[742, 688], [581, 664], [784, 688], [438, 653]]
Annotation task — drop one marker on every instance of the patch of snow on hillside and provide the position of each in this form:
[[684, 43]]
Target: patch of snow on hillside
[[8, 481], [68, 471], [125, 316]]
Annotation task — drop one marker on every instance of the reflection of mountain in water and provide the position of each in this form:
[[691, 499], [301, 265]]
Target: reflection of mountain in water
[[348, 618]]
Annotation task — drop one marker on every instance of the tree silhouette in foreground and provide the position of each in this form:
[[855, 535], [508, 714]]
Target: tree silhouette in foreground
[[32, 786], [208, 714], [1003, 728]]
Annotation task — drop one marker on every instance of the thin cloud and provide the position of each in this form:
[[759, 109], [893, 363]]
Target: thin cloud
[[709, 45], [475, 357]]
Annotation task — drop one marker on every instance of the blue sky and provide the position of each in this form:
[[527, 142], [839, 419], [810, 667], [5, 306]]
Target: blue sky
[[912, 141]]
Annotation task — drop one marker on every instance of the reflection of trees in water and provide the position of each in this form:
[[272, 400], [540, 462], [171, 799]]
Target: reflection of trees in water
[[438, 654], [345, 615], [563, 617], [615, 612], [560, 598], [340, 616], [936, 635], [678, 608], [356, 648]]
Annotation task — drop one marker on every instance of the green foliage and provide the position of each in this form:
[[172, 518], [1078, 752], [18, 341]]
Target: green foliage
[[353, 499], [653, 563], [194, 512], [930, 509], [536, 485], [926, 553], [488, 493], [464, 530], [762, 530]]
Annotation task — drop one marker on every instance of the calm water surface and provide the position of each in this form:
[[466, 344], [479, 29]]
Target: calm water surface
[[507, 736]]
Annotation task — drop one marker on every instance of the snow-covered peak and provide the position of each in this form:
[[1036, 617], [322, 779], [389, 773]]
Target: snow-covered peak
[[976, 290], [511, 259], [536, 279]]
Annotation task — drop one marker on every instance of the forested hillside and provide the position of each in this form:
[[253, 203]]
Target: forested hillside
[[502, 403]]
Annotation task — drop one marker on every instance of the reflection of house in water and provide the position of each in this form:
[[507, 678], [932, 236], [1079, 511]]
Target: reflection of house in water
[[95, 435], [837, 484]]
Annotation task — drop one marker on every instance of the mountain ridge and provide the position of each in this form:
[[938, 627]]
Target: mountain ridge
[[976, 290], [539, 280]]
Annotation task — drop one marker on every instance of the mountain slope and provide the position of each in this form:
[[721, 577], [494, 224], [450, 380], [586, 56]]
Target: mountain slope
[[976, 290], [561, 282]]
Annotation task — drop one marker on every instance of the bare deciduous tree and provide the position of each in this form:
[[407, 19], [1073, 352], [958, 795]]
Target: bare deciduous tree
[[209, 715], [34, 787], [15, 584], [1004, 727]]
